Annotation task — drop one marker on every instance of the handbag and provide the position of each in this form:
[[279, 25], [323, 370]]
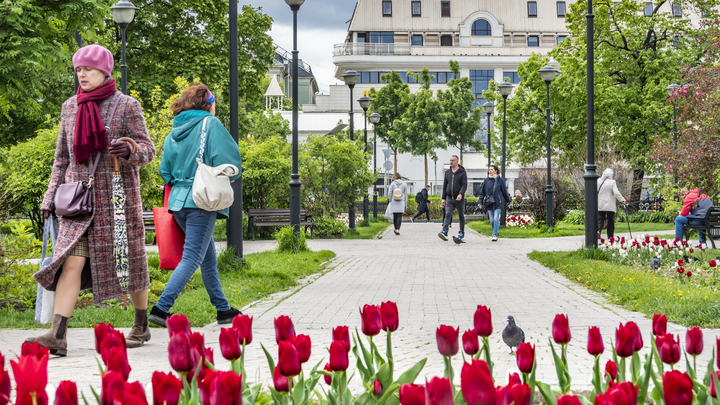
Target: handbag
[[75, 199], [211, 189], [490, 199], [170, 237], [45, 300]]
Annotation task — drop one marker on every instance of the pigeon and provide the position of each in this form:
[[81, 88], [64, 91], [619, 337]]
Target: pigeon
[[512, 335], [457, 240], [688, 259], [655, 263]]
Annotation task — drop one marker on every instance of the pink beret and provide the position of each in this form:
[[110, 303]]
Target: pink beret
[[94, 56]]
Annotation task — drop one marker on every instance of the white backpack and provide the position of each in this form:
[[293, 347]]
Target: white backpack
[[211, 187], [397, 193]]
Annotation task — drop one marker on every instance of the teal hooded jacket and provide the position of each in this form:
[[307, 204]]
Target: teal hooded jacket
[[182, 146]]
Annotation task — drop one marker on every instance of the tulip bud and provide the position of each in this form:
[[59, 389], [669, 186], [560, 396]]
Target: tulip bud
[[447, 340], [182, 358], [284, 328], [112, 382], [514, 378], [66, 394], [470, 342], [389, 315], [476, 383], [229, 345], [226, 389], [659, 324], [438, 391], [713, 393], [328, 379], [303, 345], [338, 356], [204, 385], [717, 359], [483, 321], [288, 359], [116, 360], [34, 349], [4, 379], [412, 394], [178, 323], [677, 388], [525, 357], [668, 348], [568, 400], [243, 327], [166, 388], [625, 340], [101, 330], [516, 394], [595, 343], [611, 370], [377, 387], [694, 341], [282, 384], [371, 320], [561, 329]]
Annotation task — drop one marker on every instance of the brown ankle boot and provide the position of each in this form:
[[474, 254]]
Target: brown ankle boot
[[140, 332], [56, 339]]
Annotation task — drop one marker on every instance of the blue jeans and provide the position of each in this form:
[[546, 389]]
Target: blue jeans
[[680, 223], [494, 216], [199, 251]]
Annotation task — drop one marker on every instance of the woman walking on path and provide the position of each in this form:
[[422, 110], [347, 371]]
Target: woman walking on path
[[397, 201], [494, 192], [195, 127], [607, 194], [83, 257]]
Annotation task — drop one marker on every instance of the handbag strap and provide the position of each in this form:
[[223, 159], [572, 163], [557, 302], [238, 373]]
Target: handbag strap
[[107, 128], [202, 140], [601, 184]]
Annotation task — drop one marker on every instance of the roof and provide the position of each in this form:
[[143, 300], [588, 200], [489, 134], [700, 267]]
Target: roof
[[274, 89], [319, 123]]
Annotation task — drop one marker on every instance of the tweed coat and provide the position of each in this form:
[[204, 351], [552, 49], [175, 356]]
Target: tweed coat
[[128, 122]]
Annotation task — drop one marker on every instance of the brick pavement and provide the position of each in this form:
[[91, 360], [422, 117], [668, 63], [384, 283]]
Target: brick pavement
[[433, 283]]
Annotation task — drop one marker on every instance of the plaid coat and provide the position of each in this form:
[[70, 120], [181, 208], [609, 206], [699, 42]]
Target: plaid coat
[[128, 122]]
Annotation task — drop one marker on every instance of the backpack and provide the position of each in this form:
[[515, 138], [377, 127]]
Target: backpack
[[397, 193], [418, 197]]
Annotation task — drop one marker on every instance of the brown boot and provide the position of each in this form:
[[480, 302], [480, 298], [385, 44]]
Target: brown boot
[[56, 339], [140, 332]]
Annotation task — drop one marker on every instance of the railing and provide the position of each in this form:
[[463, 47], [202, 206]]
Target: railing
[[287, 58], [651, 205], [357, 49]]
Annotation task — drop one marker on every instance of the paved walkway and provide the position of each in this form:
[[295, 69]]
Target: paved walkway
[[433, 283]]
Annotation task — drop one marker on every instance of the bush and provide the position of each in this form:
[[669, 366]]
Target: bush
[[329, 227], [565, 195], [228, 262], [289, 241], [18, 288], [576, 217], [660, 217]]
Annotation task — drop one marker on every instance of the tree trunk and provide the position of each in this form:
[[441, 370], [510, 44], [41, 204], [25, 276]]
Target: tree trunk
[[636, 190], [461, 156], [426, 172], [395, 168]]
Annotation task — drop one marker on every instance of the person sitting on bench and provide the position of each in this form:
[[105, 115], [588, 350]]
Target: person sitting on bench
[[695, 207]]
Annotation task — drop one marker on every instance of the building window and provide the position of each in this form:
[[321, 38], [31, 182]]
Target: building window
[[417, 40], [381, 37], [560, 38], [677, 10], [512, 77], [371, 77], [387, 8], [480, 80], [532, 8], [415, 8], [481, 27], [561, 9], [533, 40], [445, 9], [446, 40], [443, 77], [648, 9]]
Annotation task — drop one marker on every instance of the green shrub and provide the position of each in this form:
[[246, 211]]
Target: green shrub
[[329, 227], [576, 217], [18, 288], [289, 241], [660, 217], [228, 262]]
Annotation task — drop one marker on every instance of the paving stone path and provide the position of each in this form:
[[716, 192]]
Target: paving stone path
[[433, 283]]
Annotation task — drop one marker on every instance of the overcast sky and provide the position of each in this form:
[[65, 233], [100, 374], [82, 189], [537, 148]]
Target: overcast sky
[[321, 24]]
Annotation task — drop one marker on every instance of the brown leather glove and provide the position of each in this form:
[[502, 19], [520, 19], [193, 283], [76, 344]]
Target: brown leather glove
[[121, 149]]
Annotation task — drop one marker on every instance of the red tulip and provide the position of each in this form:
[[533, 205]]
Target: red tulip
[[338, 356], [243, 326], [483, 321], [204, 385], [182, 356], [112, 383], [568, 400], [342, 334], [595, 343], [166, 388], [625, 340], [624, 393], [470, 342], [226, 389], [514, 378], [638, 341], [4, 383], [34, 349], [412, 394], [659, 324], [131, 394], [438, 391], [371, 320], [229, 345], [525, 357], [712, 263], [288, 359], [178, 323], [116, 359], [101, 330], [30, 377], [113, 339], [328, 379], [389, 315], [561, 330], [476, 384], [66, 394], [447, 340], [611, 370], [377, 387], [668, 348], [284, 328], [713, 393], [717, 359], [282, 384], [516, 394], [677, 388], [694, 341]]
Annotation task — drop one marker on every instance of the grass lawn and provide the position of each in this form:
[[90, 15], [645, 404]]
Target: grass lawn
[[367, 232], [264, 274], [638, 290], [564, 229]]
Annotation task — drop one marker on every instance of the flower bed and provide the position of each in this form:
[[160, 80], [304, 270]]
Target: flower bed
[[519, 221]]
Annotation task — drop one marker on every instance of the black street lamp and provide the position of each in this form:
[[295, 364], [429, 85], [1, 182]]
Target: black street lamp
[[548, 74], [351, 78], [365, 104], [505, 90], [234, 225], [488, 107], [591, 176], [295, 176], [672, 90], [375, 119], [123, 14]]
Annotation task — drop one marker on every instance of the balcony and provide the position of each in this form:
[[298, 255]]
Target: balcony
[[365, 49]]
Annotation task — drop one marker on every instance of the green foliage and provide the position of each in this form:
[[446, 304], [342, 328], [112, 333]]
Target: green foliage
[[390, 102], [17, 286], [228, 261], [328, 227], [267, 124], [660, 217], [290, 242], [267, 165], [576, 217]]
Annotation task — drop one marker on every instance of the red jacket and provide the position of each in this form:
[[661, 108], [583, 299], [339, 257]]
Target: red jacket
[[689, 200]]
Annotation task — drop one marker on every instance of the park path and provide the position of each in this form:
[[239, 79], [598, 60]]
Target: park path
[[433, 283]]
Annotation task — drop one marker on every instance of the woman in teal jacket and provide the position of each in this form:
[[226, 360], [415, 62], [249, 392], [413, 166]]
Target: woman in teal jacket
[[194, 106]]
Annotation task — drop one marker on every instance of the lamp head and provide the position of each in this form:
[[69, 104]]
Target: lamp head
[[296, 3], [505, 88], [350, 77], [672, 89], [375, 118], [548, 73], [488, 107], [123, 12], [365, 102]]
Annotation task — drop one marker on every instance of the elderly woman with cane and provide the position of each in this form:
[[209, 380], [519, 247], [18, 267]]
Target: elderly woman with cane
[[97, 124]]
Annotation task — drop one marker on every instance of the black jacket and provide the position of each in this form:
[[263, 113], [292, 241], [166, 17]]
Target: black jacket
[[422, 204], [454, 184], [500, 194]]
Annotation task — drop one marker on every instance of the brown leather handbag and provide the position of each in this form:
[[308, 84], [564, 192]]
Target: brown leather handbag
[[75, 199]]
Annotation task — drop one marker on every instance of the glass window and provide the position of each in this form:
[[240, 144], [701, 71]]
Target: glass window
[[648, 9], [513, 77], [417, 40], [416, 9], [411, 78], [561, 38], [480, 80], [677, 10], [445, 9], [381, 37], [561, 9], [446, 40], [532, 8], [533, 40], [387, 8], [481, 27], [404, 77]]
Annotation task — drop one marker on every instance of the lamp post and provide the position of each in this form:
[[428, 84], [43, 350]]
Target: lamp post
[[505, 90], [672, 90], [375, 119], [488, 107], [123, 14], [351, 78], [365, 104], [547, 74], [591, 176], [295, 176]]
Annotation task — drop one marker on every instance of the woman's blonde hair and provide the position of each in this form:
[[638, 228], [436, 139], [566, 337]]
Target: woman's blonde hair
[[396, 176]]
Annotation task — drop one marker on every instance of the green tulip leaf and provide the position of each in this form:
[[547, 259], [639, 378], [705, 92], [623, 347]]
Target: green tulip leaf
[[597, 380], [644, 381], [656, 396], [276, 396], [658, 390], [366, 355], [559, 368], [531, 381], [690, 369], [488, 360], [388, 394], [271, 362], [621, 370], [364, 372], [709, 371], [366, 398], [388, 349], [95, 394], [393, 400], [459, 399], [332, 398], [715, 381], [409, 376], [298, 390], [547, 393], [583, 400], [379, 361], [656, 356], [384, 375], [635, 368]]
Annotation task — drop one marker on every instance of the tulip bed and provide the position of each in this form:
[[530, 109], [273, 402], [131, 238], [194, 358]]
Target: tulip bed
[[627, 379]]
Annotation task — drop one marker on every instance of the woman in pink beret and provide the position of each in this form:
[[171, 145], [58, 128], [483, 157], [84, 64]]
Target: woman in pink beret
[[92, 122]]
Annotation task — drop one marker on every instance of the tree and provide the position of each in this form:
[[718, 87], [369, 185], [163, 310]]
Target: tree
[[266, 173], [390, 102], [267, 124], [419, 125], [460, 121]]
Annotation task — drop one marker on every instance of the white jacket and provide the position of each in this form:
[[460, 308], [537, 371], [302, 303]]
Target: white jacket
[[608, 191]]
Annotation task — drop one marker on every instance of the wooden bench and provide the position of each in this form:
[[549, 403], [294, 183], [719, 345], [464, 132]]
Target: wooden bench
[[710, 224], [277, 217], [149, 222]]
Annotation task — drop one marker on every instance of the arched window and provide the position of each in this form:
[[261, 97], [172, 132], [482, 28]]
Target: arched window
[[481, 27]]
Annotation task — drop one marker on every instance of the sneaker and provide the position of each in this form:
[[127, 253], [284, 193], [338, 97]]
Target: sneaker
[[494, 238], [226, 317], [461, 235], [443, 235], [158, 316], [412, 220]]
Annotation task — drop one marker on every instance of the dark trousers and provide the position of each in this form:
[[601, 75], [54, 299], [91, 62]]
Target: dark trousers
[[397, 219], [426, 212], [610, 222], [452, 204]]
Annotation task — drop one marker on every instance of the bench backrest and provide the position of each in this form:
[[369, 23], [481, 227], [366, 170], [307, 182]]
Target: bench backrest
[[271, 215]]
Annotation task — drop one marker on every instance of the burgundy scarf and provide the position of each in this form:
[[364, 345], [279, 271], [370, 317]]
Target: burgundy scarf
[[90, 134]]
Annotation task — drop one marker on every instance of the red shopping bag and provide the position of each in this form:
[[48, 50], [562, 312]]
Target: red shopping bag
[[170, 237]]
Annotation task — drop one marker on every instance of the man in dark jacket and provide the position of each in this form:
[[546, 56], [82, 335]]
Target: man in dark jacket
[[422, 201], [453, 196], [695, 207]]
